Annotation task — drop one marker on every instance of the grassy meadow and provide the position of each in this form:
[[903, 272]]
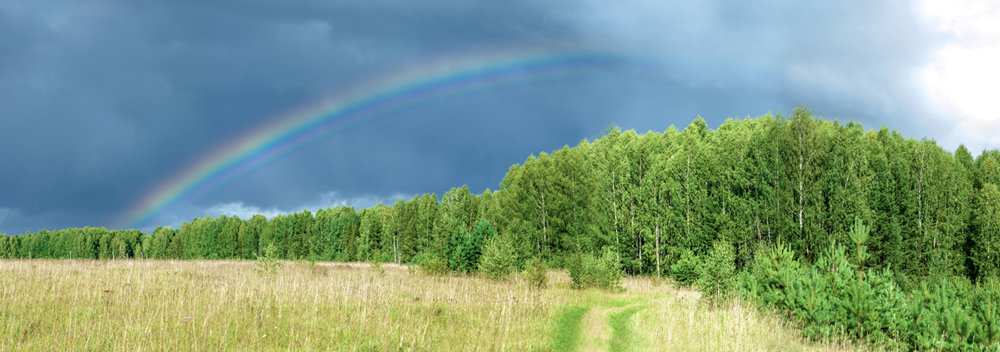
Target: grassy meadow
[[143, 305]]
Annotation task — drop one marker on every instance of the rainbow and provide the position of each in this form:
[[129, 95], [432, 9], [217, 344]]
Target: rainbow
[[349, 108]]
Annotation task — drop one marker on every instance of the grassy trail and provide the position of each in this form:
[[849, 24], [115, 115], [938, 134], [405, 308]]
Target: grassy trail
[[623, 336], [567, 331], [651, 316], [603, 325]]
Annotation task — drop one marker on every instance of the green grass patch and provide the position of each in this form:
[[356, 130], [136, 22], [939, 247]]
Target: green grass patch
[[622, 336], [567, 329], [618, 303]]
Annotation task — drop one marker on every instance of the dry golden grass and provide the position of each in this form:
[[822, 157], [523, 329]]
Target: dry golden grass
[[226, 305], [675, 319]]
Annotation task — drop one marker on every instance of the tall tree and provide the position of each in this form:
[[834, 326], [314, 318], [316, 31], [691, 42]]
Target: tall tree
[[987, 243], [805, 146]]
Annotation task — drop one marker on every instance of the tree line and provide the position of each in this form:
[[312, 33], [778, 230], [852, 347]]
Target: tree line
[[653, 197], [855, 232]]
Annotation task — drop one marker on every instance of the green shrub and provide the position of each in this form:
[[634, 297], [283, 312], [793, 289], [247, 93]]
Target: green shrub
[[435, 267], [575, 267], [472, 248], [987, 310], [536, 273], [718, 270], [267, 263], [837, 295], [589, 271], [687, 269], [936, 318], [497, 261], [465, 248], [609, 270], [773, 270]]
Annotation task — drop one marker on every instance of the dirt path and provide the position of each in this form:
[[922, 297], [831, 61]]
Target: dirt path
[[595, 331]]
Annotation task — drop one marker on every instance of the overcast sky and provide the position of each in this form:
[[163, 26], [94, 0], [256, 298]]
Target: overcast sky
[[102, 102]]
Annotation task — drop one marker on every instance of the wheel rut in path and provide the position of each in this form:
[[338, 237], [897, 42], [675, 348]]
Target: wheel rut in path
[[622, 334], [567, 331], [602, 327]]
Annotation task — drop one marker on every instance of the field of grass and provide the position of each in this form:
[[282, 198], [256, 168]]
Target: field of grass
[[227, 305]]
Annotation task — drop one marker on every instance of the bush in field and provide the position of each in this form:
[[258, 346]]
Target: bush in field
[[465, 248], [609, 270], [687, 269], [435, 267], [718, 270], [267, 263], [498, 257], [536, 272], [472, 249], [587, 270]]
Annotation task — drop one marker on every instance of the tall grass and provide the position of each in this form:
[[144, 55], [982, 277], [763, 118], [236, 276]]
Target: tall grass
[[226, 305], [51, 305], [679, 320]]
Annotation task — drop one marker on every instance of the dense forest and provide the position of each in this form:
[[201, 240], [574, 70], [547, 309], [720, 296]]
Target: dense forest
[[815, 217]]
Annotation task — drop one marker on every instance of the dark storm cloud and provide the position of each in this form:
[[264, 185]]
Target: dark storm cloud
[[847, 60], [102, 101]]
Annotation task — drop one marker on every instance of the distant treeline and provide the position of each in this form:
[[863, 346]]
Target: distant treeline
[[797, 180]]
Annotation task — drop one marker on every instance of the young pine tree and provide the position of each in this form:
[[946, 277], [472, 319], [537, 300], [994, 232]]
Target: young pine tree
[[497, 261]]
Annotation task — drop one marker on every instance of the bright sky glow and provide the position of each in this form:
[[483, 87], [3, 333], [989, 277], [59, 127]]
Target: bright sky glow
[[965, 74]]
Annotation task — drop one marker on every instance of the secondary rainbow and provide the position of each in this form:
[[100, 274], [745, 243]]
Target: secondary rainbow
[[360, 104]]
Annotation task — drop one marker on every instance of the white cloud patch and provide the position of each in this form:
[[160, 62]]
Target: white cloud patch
[[326, 200], [843, 61], [964, 77], [241, 210]]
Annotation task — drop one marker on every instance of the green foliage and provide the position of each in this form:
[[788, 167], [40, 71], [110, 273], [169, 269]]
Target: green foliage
[[498, 259], [773, 274], [267, 263], [717, 273], [602, 272], [455, 252], [796, 179], [466, 248], [472, 248], [435, 267], [987, 243], [687, 269], [837, 294], [536, 272], [986, 307]]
